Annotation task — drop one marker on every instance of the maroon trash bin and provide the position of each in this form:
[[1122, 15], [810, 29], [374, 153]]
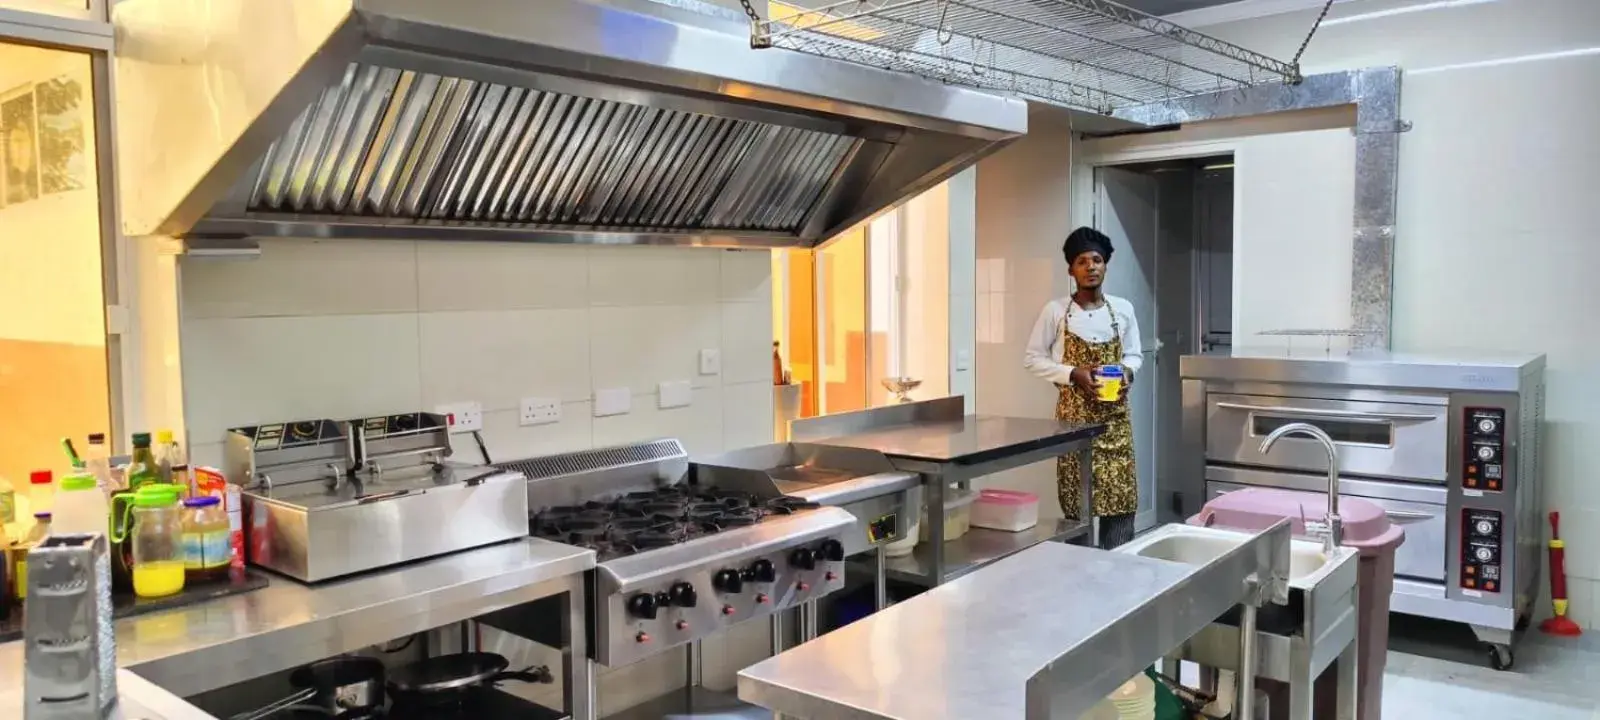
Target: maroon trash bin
[[1367, 530]]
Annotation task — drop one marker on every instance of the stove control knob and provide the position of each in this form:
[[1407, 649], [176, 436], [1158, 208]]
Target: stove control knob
[[761, 598], [1483, 554], [1485, 452], [1484, 527], [643, 605], [642, 637], [1486, 426], [763, 571], [830, 576], [728, 581], [683, 595], [682, 624], [728, 610], [804, 559], [831, 550]]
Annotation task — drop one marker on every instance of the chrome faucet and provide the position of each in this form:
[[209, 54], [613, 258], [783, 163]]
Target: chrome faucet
[[1333, 534]]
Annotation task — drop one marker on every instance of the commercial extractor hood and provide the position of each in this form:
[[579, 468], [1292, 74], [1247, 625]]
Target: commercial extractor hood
[[578, 121]]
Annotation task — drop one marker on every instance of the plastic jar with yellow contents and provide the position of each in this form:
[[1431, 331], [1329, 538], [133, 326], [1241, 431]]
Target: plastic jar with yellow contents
[[157, 529]]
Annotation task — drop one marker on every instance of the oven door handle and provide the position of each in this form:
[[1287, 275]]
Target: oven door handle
[[1358, 415], [1409, 515]]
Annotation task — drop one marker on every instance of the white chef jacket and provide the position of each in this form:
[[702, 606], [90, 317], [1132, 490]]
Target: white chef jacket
[[1043, 354]]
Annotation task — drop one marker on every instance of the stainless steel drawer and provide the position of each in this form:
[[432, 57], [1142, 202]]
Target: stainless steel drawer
[[1375, 439], [1421, 556]]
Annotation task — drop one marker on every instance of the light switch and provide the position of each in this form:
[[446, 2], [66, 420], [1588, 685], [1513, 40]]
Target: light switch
[[612, 401], [963, 361], [675, 394]]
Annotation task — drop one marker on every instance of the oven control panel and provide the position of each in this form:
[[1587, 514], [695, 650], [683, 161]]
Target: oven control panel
[[705, 600], [1484, 443], [1481, 545]]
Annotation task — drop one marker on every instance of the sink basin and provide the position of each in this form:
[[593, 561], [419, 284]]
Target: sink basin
[[1194, 545]]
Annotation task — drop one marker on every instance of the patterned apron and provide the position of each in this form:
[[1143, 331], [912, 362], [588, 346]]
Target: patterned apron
[[1116, 488]]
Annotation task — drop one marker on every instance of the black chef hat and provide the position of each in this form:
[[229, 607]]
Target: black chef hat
[[1085, 239]]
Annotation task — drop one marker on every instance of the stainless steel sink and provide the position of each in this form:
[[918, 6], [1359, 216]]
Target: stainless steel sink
[[1295, 642]]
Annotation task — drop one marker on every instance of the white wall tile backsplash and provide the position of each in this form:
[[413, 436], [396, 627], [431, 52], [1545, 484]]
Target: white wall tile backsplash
[[342, 329]]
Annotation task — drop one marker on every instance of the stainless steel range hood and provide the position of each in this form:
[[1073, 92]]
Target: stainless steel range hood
[[600, 121]]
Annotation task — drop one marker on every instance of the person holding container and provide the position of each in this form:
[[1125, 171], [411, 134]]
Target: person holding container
[[1087, 345]]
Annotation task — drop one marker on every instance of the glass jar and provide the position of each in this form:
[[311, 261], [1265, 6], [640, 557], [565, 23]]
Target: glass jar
[[206, 542], [153, 520]]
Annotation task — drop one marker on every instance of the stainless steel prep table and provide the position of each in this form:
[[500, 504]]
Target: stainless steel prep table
[[937, 440], [198, 648], [1045, 633]]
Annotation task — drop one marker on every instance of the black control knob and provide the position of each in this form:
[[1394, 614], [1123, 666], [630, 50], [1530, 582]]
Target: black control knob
[[728, 581], [643, 605], [683, 595], [803, 558], [831, 550], [763, 571]]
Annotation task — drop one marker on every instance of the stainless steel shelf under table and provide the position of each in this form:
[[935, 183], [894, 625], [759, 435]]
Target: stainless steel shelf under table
[[195, 649], [939, 442], [1041, 635]]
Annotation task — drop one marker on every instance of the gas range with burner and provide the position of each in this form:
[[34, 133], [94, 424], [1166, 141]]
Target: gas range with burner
[[679, 560]]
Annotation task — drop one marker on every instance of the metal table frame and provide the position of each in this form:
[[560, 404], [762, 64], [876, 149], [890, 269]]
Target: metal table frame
[[936, 476]]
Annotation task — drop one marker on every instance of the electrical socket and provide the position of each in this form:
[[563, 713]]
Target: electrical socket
[[710, 362], [540, 411], [462, 416]]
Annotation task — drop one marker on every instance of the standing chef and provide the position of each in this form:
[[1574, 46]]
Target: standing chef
[[1078, 344]]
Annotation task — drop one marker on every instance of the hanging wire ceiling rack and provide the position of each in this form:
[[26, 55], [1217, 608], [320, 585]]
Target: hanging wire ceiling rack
[[1094, 55]]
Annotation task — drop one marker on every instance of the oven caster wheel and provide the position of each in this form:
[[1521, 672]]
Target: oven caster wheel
[[1500, 656]]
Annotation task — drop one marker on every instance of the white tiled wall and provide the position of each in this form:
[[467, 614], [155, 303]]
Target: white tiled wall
[[342, 329]]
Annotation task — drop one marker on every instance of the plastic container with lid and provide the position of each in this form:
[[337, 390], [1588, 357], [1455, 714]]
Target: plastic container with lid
[[957, 514], [80, 505], [156, 528], [1008, 510], [1368, 530], [206, 544]]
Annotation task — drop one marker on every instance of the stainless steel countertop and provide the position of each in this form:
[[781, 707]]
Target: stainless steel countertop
[[202, 647], [969, 440], [965, 649]]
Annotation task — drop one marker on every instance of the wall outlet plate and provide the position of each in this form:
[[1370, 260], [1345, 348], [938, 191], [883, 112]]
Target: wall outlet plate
[[462, 416], [675, 394], [539, 411], [612, 401], [710, 362]]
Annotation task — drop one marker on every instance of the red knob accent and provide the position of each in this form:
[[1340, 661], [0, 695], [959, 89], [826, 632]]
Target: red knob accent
[[804, 586], [727, 610], [642, 637], [830, 576], [761, 597], [682, 624]]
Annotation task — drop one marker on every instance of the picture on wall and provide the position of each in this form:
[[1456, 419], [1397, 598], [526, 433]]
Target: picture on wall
[[63, 165], [19, 181]]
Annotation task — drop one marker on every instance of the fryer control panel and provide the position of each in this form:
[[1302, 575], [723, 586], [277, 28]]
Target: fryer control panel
[[1483, 468], [1481, 548]]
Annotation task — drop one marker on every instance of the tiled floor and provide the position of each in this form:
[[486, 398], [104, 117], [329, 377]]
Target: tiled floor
[[1438, 671]]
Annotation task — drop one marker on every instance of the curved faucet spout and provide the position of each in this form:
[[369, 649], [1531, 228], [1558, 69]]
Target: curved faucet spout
[[1335, 530]]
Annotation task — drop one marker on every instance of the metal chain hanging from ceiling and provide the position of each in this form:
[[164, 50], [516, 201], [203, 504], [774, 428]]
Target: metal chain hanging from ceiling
[[1095, 55]]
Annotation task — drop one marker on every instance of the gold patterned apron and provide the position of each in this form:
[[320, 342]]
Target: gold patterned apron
[[1116, 488]]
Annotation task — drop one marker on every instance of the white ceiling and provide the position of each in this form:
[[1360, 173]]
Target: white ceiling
[[1167, 7]]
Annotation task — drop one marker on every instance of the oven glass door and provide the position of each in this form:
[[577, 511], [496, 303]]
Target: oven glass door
[[1403, 441]]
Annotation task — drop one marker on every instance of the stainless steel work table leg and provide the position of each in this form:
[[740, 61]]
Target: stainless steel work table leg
[[579, 684]]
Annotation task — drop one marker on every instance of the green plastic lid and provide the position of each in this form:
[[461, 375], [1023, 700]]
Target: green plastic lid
[[156, 495], [141, 440], [78, 481]]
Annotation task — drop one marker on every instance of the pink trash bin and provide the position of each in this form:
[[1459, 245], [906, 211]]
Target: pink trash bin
[[1367, 530]]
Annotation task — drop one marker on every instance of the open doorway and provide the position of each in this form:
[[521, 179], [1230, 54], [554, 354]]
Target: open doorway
[[1172, 224]]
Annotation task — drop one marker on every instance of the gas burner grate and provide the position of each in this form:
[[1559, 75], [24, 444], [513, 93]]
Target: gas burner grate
[[639, 521]]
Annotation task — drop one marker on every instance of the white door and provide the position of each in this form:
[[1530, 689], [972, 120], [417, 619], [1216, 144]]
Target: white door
[[1125, 210]]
